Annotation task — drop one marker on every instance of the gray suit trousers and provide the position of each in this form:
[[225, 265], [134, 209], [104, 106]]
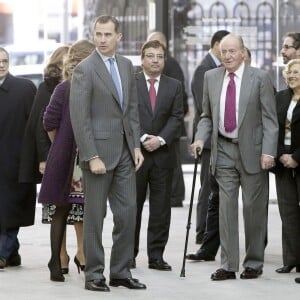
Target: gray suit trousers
[[231, 175], [119, 186]]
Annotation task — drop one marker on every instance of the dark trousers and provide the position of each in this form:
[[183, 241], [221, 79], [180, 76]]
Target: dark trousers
[[211, 239], [9, 244], [159, 181], [203, 196], [288, 194], [178, 187]]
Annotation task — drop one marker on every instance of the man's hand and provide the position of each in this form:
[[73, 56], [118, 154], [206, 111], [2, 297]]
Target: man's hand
[[97, 166], [42, 167], [151, 143], [138, 158], [267, 162], [288, 161], [197, 148]]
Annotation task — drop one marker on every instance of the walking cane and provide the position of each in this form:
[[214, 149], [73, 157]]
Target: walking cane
[[188, 226]]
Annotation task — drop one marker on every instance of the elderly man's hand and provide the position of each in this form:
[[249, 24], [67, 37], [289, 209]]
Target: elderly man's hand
[[197, 148]]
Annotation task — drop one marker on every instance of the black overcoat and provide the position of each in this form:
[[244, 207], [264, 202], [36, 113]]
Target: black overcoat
[[17, 200]]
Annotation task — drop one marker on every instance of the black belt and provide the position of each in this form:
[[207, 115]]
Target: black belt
[[230, 140]]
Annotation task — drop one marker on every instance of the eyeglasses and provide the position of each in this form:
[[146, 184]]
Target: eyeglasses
[[157, 56], [4, 61], [287, 47]]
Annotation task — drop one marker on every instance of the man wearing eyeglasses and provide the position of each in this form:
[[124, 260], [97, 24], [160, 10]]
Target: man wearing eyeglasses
[[161, 116], [17, 201], [291, 46]]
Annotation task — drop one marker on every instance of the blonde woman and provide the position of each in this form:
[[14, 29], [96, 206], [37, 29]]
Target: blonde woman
[[287, 171], [58, 178]]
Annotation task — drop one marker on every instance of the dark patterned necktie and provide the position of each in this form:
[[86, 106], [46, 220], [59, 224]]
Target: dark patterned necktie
[[230, 113]]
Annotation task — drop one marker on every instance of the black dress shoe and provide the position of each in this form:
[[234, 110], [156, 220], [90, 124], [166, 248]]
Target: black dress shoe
[[130, 283], [297, 280], [200, 255], [222, 274], [250, 273], [288, 269], [98, 285], [14, 261], [2, 262], [160, 265]]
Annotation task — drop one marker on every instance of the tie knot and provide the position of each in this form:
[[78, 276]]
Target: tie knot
[[231, 75], [152, 81], [111, 60]]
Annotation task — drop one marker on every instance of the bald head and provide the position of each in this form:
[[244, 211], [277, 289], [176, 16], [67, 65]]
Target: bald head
[[159, 36], [232, 52]]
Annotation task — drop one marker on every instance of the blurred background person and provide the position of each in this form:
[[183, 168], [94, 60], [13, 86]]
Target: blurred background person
[[60, 184], [17, 200], [172, 69], [291, 46], [209, 187], [287, 170], [290, 50]]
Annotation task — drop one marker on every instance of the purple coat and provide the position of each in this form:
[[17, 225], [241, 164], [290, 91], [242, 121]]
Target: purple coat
[[56, 181]]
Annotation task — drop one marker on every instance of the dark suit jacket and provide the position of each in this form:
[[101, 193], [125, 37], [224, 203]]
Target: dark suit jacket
[[197, 90], [283, 99], [165, 121], [172, 69]]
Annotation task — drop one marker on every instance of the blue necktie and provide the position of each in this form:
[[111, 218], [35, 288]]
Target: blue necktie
[[115, 78]]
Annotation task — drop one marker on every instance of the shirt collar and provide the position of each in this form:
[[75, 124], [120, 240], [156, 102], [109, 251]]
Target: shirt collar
[[239, 72], [105, 58], [148, 77]]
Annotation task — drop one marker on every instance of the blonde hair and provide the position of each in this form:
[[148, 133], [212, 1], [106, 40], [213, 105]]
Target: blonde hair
[[289, 65], [77, 52], [55, 62]]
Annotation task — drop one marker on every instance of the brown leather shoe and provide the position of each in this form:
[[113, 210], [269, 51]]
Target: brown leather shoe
[[222, 274], [250, 273]]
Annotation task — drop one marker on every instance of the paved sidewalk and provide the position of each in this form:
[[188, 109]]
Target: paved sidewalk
[[31, 280]]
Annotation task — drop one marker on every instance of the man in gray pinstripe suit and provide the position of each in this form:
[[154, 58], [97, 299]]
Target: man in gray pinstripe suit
[[104, 115]]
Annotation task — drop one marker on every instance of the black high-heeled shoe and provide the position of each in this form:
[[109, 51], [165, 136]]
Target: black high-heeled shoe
[[55, 272], [79, 266], [288, 269], [66, 269]]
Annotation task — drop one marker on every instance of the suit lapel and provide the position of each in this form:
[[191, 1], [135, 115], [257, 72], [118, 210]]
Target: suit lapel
[[103, 73], [124, 79], [162, 88], [245, 92], [216, 93], [143, 93]]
